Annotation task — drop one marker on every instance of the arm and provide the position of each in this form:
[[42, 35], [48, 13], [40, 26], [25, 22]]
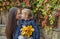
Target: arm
[[37, 30], [16, 33], [17, 30]]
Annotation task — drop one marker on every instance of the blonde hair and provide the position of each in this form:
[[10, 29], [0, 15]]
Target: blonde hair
[[25, 10]]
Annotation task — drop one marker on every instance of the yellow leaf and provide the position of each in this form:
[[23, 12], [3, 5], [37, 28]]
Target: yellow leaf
[[27, 30]]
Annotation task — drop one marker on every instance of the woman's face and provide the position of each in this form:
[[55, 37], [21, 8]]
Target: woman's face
[[18, 14]]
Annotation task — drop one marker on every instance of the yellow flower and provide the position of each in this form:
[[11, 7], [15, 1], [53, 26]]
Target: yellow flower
[[27, 31]]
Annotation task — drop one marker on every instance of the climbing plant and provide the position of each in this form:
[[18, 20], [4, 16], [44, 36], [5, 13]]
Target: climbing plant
[[46, 8]]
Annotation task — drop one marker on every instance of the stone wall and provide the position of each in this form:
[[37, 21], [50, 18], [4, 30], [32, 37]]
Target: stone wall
[[2, 30], [3, 17]]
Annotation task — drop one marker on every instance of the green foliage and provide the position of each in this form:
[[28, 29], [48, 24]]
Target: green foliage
[[50, 5], [22, 4], [45, 8]]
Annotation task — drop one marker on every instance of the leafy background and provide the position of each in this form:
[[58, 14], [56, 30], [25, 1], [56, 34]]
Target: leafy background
[[43, 10]]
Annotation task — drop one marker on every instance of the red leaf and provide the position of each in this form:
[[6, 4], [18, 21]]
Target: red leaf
[[45, 1], [26, 2]]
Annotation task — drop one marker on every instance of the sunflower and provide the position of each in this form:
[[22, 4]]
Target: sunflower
[[27, 31]]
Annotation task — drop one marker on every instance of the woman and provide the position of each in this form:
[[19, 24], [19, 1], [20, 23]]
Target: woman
[[14, 15]]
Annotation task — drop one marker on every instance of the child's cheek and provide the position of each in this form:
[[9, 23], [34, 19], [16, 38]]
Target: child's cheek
[[22, 15]]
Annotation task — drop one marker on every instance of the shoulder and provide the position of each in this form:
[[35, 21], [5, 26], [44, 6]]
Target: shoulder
[[21, 20], [33, 21]]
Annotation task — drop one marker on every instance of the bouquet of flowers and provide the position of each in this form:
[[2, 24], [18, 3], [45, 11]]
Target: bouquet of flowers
[[27, 31]]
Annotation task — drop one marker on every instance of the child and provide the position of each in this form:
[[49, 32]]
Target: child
[[26, 20]]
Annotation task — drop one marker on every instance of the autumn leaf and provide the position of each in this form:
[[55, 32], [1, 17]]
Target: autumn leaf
[[27, 31]]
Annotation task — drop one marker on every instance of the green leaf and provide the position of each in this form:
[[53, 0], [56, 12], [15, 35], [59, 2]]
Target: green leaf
[[22, 4], [1, 0]]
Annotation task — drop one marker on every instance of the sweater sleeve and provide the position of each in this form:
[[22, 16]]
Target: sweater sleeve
[[16, 33], [37, 30]]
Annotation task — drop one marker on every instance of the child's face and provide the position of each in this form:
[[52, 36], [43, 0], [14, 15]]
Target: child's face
[[25, 15]]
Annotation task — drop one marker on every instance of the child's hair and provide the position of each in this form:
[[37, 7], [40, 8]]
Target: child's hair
[[28, 10]]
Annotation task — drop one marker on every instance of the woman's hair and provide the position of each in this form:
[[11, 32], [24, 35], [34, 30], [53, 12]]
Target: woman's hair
[[11, 22], [25, 10]]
